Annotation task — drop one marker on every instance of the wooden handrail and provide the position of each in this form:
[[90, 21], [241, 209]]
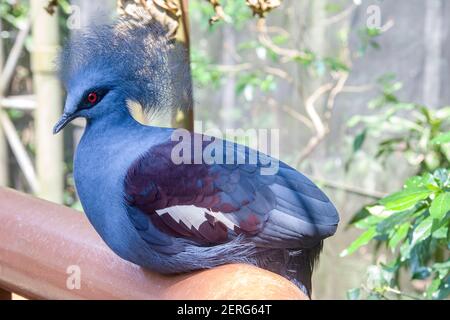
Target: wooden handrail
[[48, 251]]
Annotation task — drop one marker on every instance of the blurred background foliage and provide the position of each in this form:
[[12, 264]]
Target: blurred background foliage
[[358, 92]]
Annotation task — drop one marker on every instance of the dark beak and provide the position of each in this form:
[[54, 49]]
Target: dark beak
[[63, 121]]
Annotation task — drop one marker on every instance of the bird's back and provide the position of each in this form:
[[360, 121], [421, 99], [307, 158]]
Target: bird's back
[[283, 214]]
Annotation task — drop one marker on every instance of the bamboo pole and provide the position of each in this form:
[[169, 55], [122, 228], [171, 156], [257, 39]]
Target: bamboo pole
[[21, 102], [184, 118], [8, 128], [49, 148], [433, 41], [4, 168]]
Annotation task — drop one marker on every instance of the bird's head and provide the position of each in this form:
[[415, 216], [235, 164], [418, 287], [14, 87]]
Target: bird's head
[[107, 68]]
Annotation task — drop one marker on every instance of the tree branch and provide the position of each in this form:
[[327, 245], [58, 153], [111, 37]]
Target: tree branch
[[341, 15], [333, 94], [350, 189], [265, 40], [11, 134], [311, 109], [293, 113], [219, 12]]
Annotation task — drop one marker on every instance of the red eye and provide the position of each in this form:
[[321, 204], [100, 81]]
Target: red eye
[[92, 97]]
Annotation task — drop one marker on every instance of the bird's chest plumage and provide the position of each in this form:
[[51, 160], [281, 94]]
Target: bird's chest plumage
[[100, 165], [98, 171]]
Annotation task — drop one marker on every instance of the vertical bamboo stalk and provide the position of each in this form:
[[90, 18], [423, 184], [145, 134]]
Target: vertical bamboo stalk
[[433, 34], [184, 118], [49, 148], [9, 130], [228, 98], [4, 176]]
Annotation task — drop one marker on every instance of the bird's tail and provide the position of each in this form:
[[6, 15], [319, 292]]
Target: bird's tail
[[295, 265], [300, 266]]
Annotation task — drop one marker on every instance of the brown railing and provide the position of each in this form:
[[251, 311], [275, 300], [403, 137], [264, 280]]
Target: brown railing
[[48, 251]]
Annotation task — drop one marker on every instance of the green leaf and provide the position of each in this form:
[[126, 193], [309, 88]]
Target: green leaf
[[280, 39], [432, 160], [358, 216], [368, 222], [379, 277], [433, 187], [394, 220], [442, 177], [405, 251], [353, 121], [399, 235], [433, 287], [442, 138], [333, 7], [419, 255], [15, 114], [442, 268], [361, 241], [414, 182], [440, 232], [439, 289], [306, 59], [354, 294], [268, 84], [421, 273], [440, 206], [405, 199], [422, 231], [373, 32], [335, 64], [359, 140]]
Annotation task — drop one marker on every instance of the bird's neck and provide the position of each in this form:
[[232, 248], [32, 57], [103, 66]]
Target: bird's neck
[[107, 148], [107, 138], [114, 121]]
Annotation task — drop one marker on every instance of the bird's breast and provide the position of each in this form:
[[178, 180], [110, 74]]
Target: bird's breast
[[101, 162], [99, 170]]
